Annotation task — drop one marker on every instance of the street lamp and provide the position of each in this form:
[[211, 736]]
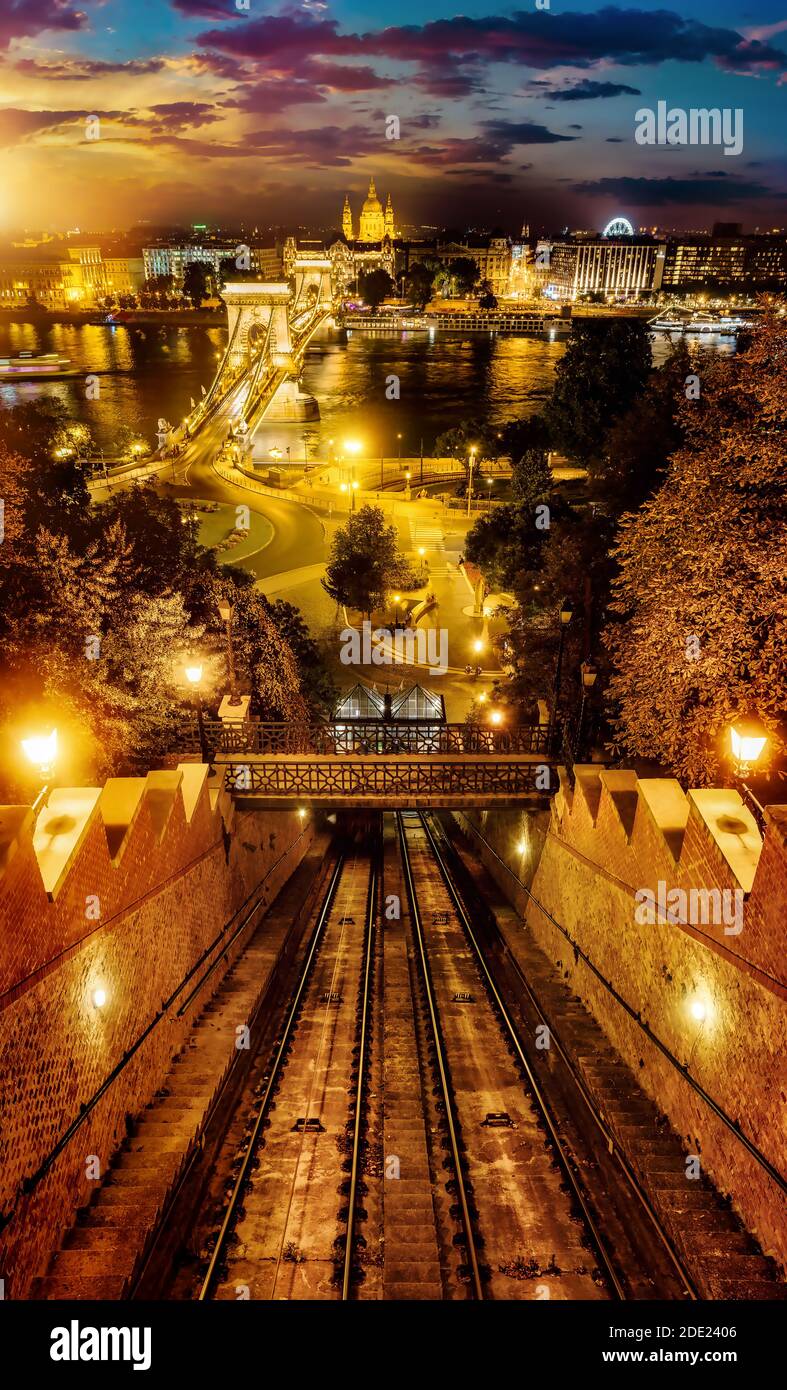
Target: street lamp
[[225, 613], [589, 673], [41, 751], [399, 437], [748, 737], [473, 452], [489, 483], [354, 489], [566, 613], [496, 717], [194, 676], [421, 554]]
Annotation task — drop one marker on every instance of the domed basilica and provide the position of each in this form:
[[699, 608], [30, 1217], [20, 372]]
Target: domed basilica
[[374, 224]]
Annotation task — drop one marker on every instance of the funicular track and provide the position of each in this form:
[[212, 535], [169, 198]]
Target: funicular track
[[635, 1257], [288, 1226], [538, 1216]]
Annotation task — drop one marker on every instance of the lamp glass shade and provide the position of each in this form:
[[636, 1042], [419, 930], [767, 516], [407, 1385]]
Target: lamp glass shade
[[566, 611], [225, 611], [589, 674], [41, 749], [747, 741], [194, 674]]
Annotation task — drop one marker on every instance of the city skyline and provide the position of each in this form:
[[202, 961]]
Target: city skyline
[[216, 114]]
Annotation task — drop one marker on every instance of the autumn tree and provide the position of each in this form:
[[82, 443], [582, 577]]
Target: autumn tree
[[701, 596], [603, 370], [365, 562]]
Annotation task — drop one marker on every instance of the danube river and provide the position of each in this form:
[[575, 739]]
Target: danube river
[[146, 371]]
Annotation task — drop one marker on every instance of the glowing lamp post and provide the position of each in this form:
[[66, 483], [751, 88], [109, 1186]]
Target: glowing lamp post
[[194, 677], [566, 613], [225, 613], [41, 751], [471, 466], [748, 737], [589, 673]]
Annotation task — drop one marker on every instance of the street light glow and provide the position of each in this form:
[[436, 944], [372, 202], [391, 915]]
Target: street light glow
[[352, 446], [495, 717], [41, 749], [99, 998], [194, 674], [747, 740], [698, 1010]]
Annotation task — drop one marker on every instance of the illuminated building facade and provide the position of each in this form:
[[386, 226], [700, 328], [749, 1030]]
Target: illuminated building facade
[[79, 280]]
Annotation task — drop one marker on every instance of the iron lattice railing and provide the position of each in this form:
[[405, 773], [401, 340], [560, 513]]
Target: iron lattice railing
[[383, 778], [356, 736]]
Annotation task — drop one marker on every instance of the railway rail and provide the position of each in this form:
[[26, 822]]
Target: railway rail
[[637, 1254], [282, 1233], [399, 1136]]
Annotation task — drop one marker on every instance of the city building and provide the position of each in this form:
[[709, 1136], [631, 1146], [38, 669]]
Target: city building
[[374, 223], [80, 279], [492, 255], [631, 267], [728, 259], [172, 259], [612, 267]]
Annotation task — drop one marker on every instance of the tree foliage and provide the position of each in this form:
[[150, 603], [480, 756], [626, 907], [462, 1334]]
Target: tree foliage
[[375, 286], [701, 596], [605, 367], [366, 563]]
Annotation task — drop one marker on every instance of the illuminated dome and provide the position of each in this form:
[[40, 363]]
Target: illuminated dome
[[372, 223], [619, 226]]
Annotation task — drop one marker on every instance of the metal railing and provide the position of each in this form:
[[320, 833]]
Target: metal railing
[[381, 779], [335, 737]]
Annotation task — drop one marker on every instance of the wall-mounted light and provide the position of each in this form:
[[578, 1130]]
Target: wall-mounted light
[[99, 998]]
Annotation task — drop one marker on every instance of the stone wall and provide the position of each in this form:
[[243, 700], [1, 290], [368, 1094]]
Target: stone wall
[[714, 997], [127, 889]]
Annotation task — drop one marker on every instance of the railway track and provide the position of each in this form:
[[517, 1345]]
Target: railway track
[[288, 1229], [399, 1137], [635, 1258]]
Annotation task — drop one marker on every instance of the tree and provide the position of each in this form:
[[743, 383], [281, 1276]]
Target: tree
[[459, 278], [365, 562], [605, 366], [531, 478], [701, 594], [375, 286], [458, 441], [418, 283], [641, 440], [486, 297], [197, 279]]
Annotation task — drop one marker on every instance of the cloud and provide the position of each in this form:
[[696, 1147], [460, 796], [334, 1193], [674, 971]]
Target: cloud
[[586, 90], [25, 18], [78, 69], [524, 133], [654, 193], [537, 39]]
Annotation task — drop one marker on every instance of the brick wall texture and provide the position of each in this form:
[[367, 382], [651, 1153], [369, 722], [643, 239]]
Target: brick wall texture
[[162, 904], [592, 862]]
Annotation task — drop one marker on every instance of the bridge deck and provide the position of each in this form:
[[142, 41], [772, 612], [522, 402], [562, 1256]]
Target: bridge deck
[[389, 781]]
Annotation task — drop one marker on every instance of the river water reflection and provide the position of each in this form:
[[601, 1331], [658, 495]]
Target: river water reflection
[[146, 371]]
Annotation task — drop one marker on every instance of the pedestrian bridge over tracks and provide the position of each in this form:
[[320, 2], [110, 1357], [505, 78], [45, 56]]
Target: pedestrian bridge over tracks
[[388, 765]]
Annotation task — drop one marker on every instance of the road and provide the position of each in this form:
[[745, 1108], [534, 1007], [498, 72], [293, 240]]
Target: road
[[299, 536]]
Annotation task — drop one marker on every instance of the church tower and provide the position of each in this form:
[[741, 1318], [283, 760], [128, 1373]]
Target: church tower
[[390, 229], [372, 224], [347, 219]]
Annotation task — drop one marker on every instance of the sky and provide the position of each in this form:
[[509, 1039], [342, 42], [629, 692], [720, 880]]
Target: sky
[[270, 114]]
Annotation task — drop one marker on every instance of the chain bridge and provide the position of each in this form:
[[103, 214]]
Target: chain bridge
[[269, 326]]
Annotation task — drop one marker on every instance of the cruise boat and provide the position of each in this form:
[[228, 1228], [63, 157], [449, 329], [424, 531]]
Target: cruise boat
[[29, 365]]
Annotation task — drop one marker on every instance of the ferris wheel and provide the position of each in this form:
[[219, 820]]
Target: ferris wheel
[[619, 226]]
